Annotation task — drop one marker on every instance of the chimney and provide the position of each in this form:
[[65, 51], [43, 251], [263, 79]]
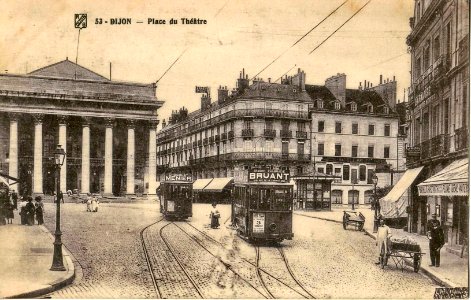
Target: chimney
[[359, 86], [337, 85], [269, 79], [223, 94], [242, 82], [394, 78], [381, 79], [300, 79], [365, 85], [205, 102]]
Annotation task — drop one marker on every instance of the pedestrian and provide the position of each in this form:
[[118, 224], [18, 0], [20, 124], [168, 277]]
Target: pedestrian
[[432, 221], [30, 210], [9, 207], [214, 215], [436, 242], [61, 196], [94, 204], [382, 238], [89, 202], [3, 206], [39, 205], [14, 199], [23, 215]]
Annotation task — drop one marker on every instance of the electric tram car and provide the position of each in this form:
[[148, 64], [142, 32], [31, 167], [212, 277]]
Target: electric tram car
[[263, 211], [176, 196]]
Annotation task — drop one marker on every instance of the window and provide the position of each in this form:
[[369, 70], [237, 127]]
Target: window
[[354, 128], [299, 170], [427, 55], [337, 105], [371, 129], [284, 148], [418, 67], [320, 149], [338, 127], [269, 124], [386, 110], [320, 104], [247, 124], [387, 130], [371, 172], [346, 172], [354, 176], [285, 125], [362, 173], [354, 106], [320, 170], [329, 169], [355, 151], [386, 151], [338, 150], [300, 148], [301, 126], [320, 126], [370, 108], [337, 197], [369, 195], [371, 151], [436, 47]]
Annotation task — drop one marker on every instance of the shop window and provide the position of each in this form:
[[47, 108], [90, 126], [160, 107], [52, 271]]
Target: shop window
[[337, 197], [449, 212], [353, 196], [369, 196]]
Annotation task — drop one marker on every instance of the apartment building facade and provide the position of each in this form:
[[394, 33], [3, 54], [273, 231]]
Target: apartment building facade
[[438, 116]]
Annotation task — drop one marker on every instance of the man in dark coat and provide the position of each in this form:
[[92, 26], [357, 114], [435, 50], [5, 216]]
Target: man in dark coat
[[437, 240], [30, 211]]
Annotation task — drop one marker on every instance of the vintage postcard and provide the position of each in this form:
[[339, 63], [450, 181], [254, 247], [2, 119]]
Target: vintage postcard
[[234, 149]]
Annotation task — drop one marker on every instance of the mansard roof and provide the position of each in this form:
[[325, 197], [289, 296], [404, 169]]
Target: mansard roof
[[260, 89], [69, 70]]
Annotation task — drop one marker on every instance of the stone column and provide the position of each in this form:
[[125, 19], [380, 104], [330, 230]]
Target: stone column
[[85, 188], [152, 158], [108, 185], [38, 155], [63, 143], [13, 152], [130, 163]]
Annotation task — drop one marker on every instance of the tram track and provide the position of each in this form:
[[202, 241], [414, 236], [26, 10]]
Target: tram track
[[148, 261], [259, 270]]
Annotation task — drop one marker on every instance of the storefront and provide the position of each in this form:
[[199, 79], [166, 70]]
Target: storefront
[[313, 192], [210, 190], [447, 195]]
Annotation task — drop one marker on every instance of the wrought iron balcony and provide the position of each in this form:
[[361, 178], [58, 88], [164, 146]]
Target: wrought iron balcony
[[269, 133], [285, 134], [301, 135], [247, 132], [461, 138]]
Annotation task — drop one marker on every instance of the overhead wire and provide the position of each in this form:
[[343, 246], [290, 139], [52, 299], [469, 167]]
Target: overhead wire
[[307, 33], [172, 65], [339, 27]]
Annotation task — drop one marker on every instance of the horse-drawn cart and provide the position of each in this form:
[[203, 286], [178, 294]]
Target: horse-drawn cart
[[354, 218]]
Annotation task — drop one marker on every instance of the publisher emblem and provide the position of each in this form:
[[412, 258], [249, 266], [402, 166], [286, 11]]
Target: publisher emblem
[[80, 21]]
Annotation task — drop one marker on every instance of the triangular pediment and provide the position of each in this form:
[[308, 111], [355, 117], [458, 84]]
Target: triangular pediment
[[69, 70]]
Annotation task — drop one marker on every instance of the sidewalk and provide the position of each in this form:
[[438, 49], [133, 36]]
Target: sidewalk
[[25, 258], [453, 270]]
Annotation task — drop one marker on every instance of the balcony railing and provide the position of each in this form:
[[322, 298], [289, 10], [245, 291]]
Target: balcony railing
[[301, 135], [269, 133], [461, 138], [285, 134], [247, 132], [437, 146]]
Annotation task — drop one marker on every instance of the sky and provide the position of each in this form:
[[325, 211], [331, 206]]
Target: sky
[[237, 34]]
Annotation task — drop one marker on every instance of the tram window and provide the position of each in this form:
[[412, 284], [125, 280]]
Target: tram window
[[281, 200], [264, 199], [252, 195]]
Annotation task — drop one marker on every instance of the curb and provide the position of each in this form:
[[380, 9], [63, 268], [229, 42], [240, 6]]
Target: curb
[[67, 279]]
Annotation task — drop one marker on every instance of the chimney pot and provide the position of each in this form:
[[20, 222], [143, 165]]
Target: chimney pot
[[394, 78], [269, 79], [381, 79]]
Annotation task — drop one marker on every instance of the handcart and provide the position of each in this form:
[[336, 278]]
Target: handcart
[[354, 218], [402, 253]]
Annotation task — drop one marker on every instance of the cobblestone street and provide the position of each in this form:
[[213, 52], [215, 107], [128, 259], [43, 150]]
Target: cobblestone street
[[190, 260]]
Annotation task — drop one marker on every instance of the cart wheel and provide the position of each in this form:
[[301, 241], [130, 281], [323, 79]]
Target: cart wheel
[[360, 227], [417, 260]]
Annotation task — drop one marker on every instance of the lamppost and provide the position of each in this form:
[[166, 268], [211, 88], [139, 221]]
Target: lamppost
[[57, 260], [376, 203], [354, 181]]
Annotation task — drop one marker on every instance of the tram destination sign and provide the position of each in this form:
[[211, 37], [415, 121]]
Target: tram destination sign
[[271, 176], [179, 177]]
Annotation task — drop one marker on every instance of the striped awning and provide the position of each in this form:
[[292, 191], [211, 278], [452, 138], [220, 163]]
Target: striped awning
[[451, 181], [218, 184]]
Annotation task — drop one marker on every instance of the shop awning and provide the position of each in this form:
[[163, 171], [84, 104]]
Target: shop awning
[[7, 179], [451, 181], [218, 184], [394, 204], [200, 184]]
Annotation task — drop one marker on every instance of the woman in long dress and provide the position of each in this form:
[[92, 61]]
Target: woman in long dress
[[94, 204], [30, 210], [214, 217]]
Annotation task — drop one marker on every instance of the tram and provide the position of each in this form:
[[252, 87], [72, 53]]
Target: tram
[[176, 196], [262, 208]]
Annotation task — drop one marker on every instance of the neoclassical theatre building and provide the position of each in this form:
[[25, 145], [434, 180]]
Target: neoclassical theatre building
[[107, 128]]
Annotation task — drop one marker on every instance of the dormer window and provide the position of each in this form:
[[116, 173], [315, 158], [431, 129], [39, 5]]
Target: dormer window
[[354, 106], [369, 108], [337, 105], [386, 110], [320, 104]]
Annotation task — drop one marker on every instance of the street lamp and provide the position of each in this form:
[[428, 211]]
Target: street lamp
[[57, 260], [376, 203]]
